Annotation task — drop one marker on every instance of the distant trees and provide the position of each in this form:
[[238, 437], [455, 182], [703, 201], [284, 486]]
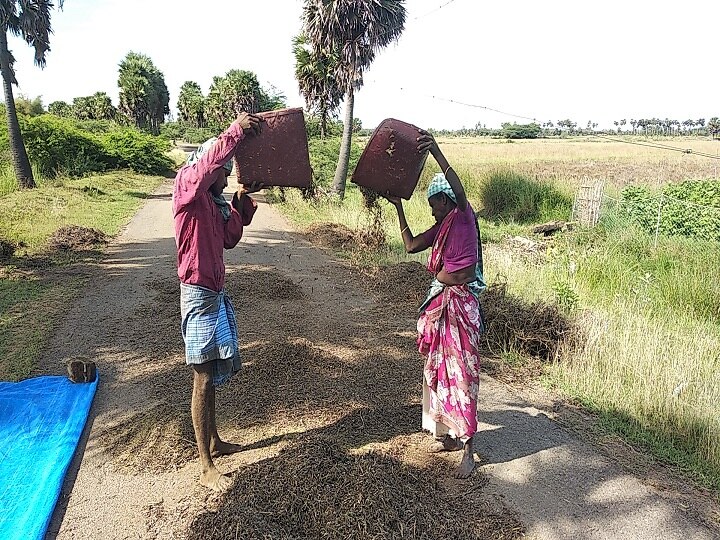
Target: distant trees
[[191, 105], [713, 127], [650, 127], [567, 125], [666, 127], [144, 97], [29, 107], [144, 101], [96, 107], [521, 131], [31, 22], [238, 90], [60, 108]]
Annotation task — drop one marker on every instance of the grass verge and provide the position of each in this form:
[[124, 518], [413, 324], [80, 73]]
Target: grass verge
[[32, 293]]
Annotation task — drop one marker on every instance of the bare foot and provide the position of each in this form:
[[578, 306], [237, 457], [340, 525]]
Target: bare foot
[[222, 448], [446, 444], [212, 479], [467, 465]]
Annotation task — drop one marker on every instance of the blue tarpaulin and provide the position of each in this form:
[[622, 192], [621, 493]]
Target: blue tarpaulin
[[41, 421]]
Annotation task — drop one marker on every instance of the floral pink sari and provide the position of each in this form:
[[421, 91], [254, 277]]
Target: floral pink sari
[[449, 331]]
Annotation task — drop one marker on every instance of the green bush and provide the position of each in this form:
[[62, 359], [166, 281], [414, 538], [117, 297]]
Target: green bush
[[56, 146], [324, 157], [96, 126], [689, 209], [507, 196], [129, 148], [172, 131], [72, 147], [520, 131]]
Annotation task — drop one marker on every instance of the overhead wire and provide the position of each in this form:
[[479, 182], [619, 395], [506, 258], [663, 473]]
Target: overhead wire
[[433, 11]]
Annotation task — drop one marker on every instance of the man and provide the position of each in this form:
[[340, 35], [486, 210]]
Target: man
[[205, 224]]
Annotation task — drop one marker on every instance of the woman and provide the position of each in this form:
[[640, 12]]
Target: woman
[[450, 323]]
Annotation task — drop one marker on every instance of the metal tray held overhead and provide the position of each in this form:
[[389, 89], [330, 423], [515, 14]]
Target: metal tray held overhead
[[279, 155], [390, 163]]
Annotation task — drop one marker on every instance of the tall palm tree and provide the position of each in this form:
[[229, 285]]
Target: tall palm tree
[[31, 22], [315, 74], [191, 104], [238, 90], [357, 30], [144, 97]]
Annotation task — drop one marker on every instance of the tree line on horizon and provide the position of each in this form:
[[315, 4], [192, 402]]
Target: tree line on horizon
[[567, 127]]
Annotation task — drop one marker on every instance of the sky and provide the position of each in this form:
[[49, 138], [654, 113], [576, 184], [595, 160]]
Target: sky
[[550, 60]]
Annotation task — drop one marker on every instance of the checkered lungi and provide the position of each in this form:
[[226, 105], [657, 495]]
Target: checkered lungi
[[210, 331]]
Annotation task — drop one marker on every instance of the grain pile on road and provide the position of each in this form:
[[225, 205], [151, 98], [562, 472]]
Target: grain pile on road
[[315, 489], [405, 282], [260, 282], [365, 240], [157, 439]]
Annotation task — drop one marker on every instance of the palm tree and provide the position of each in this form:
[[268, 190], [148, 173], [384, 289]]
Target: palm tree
[[356, 31], [238, 90], [191, 104], [713, 127], [144, 97], [31, 22], [315, 73]]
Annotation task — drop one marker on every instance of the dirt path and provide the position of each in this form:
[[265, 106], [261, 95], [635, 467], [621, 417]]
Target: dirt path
[[325, 361]]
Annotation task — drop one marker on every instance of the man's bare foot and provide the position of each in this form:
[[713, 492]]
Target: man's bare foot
[[446, 444], [222, 448], [212, 479]]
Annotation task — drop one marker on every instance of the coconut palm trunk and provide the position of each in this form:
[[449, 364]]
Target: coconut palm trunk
[[21, 163], [344, 158]]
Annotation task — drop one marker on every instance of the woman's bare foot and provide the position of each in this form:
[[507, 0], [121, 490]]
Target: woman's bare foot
[[222, 448], [446, 444], [467, 465], [212, 479]]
